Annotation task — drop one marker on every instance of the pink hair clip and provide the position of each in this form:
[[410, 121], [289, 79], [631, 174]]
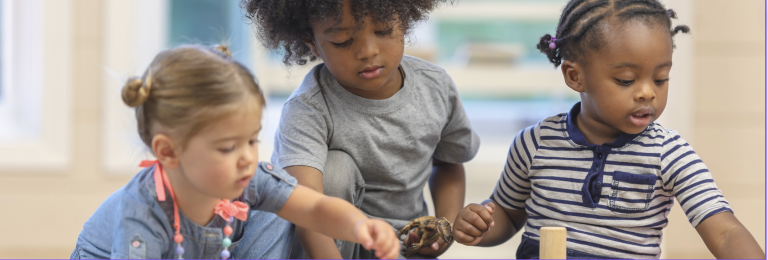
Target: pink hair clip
[[552, 44]]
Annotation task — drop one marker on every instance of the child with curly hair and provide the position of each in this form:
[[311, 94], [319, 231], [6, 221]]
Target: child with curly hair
[[200, 113], [605, 170], [368, 125]]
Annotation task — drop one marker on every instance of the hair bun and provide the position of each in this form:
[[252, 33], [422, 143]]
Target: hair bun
[[681, 28], [135, 92], [544, 47], [224, 49], [671, 13]]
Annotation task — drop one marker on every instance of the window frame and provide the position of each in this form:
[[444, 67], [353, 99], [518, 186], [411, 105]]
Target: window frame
[[36, 132], [130, 44]]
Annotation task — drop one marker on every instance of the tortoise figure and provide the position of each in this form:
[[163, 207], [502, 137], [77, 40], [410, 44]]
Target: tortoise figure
[[429, 229]]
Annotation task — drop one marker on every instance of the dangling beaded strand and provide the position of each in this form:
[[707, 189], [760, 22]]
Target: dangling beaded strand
[[161, 180], [178, 238], [226, 242], [226, 209], [229, 211]]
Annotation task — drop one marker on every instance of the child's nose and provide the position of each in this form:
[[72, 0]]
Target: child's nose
[[368, 48], [647, 91], [248, 158]]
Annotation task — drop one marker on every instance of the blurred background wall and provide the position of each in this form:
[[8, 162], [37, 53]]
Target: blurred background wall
[[67, 141]]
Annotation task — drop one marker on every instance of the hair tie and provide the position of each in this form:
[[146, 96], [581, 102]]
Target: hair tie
[[552, 44], [147, 83]]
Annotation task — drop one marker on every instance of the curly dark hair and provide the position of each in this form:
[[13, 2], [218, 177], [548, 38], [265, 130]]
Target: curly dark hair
[[286, 23], [578, 32]]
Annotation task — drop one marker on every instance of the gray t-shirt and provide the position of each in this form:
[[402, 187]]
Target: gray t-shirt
[[392, 141]]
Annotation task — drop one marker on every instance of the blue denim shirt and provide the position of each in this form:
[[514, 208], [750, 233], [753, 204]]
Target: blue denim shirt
[[132, 223]]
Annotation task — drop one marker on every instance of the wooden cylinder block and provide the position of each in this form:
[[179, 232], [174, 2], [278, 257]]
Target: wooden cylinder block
[[552, 243]]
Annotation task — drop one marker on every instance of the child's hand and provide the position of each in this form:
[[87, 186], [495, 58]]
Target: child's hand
[[473, 222], [378, 235], [436, 249]]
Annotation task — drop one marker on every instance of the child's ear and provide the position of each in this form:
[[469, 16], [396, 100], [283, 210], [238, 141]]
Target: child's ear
[[165, 151], [310, 42], [573, 73]]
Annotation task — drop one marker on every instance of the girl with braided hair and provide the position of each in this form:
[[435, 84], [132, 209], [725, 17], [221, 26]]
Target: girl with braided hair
[[606, 171], [199, 111]]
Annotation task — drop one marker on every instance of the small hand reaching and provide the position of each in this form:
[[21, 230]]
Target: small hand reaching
[[473, 221], [435, 249], [378, 235]]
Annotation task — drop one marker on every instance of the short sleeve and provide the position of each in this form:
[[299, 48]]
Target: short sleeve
[[458, 143], [269, 189], [301, 137], [140, 234], [685, 174], [514, 187]]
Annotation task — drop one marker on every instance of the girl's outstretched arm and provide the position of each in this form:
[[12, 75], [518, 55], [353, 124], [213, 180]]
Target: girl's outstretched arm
[[727, 238], [339, 219], [316, 245]]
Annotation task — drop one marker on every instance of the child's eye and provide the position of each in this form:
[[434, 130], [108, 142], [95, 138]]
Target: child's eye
[[661, 81], [344, 44], [227, 150], [624, 82], [386, 32], [252, 142]]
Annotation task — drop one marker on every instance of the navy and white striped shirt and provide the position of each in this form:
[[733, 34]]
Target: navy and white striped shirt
[[612, 198]]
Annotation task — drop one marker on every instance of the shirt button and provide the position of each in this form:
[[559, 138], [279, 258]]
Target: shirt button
[[595, 168], [595, 198], [600, 156], [135, 243], [598, 185]]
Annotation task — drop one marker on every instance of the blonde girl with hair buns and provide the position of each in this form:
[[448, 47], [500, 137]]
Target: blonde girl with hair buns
[[199, 111]]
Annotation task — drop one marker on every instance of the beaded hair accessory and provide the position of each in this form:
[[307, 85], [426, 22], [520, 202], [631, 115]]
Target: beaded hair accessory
[[226, 209], [552, 44]]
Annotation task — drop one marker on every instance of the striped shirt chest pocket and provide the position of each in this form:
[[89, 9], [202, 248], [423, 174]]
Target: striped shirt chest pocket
[[630, 192]]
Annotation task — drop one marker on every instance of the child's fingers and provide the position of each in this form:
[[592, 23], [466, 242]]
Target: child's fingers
[[462, 237], [384, 239], [489, 204], [465, 239], [391, 250], [468, 228], [411, 237], [474, 217], [431, 249], [363, 230], [394, 251], [485, 215]]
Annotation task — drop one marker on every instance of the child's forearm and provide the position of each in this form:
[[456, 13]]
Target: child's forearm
[[337, 218], [738, 243], [330, 216], [447, 187], [316, 245], [727, 238]]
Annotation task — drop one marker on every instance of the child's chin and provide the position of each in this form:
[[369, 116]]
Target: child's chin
[[633, 130], [234, 195]]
